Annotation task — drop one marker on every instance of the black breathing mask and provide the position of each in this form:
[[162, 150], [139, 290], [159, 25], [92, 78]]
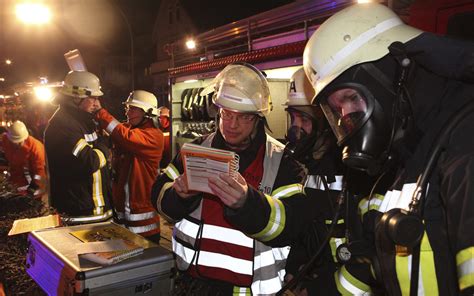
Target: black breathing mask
[[300, 143], [359, 123]]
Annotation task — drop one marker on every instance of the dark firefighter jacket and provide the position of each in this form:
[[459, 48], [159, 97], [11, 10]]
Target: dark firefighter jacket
[[441, 86], [262, 217], [77, 163]]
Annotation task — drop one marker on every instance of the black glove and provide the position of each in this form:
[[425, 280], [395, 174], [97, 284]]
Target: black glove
[[32, 189]]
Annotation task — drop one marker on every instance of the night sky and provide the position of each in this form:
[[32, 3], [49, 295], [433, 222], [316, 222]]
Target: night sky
[[98, 29]]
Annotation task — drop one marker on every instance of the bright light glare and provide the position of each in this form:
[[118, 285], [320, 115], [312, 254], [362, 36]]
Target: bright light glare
[[2, 79], [33, 13], [191, 44], [363, 1], [43, 93], [8, 62]]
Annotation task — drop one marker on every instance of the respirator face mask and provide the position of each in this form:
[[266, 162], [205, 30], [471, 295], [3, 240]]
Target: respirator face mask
[[301, 135], [358, 123]]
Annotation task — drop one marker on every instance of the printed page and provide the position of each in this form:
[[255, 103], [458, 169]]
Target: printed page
[[31, 224], [198, 171]]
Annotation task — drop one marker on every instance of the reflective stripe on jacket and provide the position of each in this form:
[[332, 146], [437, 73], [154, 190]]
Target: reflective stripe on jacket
[[266, 270], [136, 159]]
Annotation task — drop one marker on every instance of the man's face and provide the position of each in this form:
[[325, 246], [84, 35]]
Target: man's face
[[236, 127], [134, 115], [301, 120], [90, 104]]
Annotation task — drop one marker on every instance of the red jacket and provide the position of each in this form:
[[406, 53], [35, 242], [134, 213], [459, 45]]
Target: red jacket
[[25, 161], [137, 156]]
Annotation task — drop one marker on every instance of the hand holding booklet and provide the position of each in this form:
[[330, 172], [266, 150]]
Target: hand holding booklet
[[201, 162]]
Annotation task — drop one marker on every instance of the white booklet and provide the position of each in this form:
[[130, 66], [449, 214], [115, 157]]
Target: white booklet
[[201, 162]]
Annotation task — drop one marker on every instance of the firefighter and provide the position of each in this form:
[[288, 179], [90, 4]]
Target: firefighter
[[26, 159], [213, 255], [399, 97], [311, 142], [138, 146], [76, 155]]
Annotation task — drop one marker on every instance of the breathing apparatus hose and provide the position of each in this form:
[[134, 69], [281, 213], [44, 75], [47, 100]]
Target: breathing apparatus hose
[[307, 267]]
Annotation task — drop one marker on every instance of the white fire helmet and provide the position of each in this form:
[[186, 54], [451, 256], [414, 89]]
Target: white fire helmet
[[300, 92], [241, 88], [144, 100], [17, 132], [81, 84], [357, 34]]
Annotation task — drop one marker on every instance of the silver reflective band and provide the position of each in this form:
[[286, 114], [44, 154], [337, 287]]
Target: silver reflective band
[[110, 128], [106, 215], [79, 146], [90, 137], [356, 43], [136, 217], [142, 229], [233, 264], [316, 182], [226, 235], [171, 172]]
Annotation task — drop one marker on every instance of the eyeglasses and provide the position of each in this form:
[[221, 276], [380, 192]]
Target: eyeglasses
[[240, 118]]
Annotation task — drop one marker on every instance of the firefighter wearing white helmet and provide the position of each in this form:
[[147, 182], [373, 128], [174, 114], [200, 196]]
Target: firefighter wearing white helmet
[[77, 154], [81, 84], [243, 208], [138, 147], [306, 122], [17, 132], [388, 91], [144, 100], [26, 159]]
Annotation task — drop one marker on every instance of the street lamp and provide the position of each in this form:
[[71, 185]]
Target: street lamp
[[33, 13]]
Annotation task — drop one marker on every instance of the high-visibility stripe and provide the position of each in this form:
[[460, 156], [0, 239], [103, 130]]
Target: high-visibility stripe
[[226, 235], [188, 228], [91, 137], [171, 172], [184, 255], [267, 287], [136, 217], [92, 218], [356, 43], [316, 182], [233, 264], [465, 264], [97, 194], [334, 243], [37, 177], [427, 282], [329, 222], [276, 221], [268, 257], [79, 146], [287, 191], [165, 187], [241, 291], [349, 285], [145, 228], [374, 203], [112, 125], [102, 159]]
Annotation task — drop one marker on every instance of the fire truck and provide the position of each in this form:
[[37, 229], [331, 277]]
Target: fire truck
[[274, 41]]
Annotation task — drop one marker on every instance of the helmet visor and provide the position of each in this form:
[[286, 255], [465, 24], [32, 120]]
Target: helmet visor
[[346, 109]]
